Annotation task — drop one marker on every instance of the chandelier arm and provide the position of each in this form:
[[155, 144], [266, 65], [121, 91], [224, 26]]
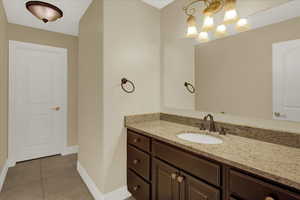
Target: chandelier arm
[[190, 10]]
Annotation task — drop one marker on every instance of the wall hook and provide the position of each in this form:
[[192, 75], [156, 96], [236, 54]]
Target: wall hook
[[190, 87], [124, 81]]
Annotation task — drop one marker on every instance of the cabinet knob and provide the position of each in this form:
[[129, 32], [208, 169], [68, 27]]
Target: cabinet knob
[[269, 198], [136, 140], [201, 126], [223, 131], [136, 161], [174, 176], [180, 179], [135, 188]]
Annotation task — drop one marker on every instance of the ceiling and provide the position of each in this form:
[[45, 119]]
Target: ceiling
[[74, 10], [158, 3], [246, 4], [69, 24], [246, 8], [251, 7]]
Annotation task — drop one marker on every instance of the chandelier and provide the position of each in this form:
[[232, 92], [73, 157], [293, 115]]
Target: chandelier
[[213, 7]]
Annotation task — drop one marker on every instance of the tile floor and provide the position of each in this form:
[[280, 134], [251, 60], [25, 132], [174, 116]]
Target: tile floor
[[51, 178]]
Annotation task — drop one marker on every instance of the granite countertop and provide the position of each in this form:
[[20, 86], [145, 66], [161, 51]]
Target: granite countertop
[[272, 161]]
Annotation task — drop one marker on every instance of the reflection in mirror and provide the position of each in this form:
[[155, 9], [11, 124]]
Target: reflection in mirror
[[250, 73]]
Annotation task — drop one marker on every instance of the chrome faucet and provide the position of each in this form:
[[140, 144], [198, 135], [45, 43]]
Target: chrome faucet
[[212, 125]]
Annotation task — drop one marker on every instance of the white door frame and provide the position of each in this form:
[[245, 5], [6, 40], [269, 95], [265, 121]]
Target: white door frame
[[285, 112], [13, 45]]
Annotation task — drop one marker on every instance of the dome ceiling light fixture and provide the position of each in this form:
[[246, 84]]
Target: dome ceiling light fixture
[[44, 11], [213, 7]]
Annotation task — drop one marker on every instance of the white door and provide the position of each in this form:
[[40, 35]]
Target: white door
[[286, 80], [38, 93]]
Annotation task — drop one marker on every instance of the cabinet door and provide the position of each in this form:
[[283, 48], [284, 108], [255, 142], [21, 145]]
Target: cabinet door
[[164, 181], [193, 189]]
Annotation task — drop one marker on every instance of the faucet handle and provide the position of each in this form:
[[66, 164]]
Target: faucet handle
[[223, 131], [201, 126]]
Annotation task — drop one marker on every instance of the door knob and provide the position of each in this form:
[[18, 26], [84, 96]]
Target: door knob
[[57, 108], [277, 114]]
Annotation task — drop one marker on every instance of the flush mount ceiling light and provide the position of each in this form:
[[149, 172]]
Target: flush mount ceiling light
[[44, 11], [213, 7]]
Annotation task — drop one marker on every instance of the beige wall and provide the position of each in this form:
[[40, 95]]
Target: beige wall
[[131, 50], [37, 36], [90, 106], [178, 60], [234, 74], [3, 86], [110, 48]]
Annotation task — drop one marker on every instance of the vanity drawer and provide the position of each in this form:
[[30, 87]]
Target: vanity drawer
[[138, 140], [201, 168], [138, 161], [249, 188], [139, 189]]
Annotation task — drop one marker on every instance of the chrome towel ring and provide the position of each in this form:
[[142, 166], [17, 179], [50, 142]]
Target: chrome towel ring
[[190, 87], [124, 81]]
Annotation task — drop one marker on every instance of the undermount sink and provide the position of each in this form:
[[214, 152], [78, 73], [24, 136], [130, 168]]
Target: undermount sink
[[200, 138]]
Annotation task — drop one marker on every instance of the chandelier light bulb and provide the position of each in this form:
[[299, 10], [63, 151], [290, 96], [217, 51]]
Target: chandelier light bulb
[[203, 37], [221, 31], [242, 25], [208, 24], [231, 16], [192, 31]]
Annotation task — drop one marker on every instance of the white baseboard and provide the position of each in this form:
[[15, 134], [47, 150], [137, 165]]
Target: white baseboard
[[3, 174], [119, 194], [11, 163], [70, 150], [89, 183]]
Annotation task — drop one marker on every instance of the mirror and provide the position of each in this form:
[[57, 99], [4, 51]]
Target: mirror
[[233, 74]]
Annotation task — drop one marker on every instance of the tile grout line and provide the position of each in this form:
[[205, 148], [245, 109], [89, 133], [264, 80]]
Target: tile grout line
[[42, 181]]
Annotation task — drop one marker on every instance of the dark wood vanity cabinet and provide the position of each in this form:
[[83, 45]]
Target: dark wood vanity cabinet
[[159, 171]]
